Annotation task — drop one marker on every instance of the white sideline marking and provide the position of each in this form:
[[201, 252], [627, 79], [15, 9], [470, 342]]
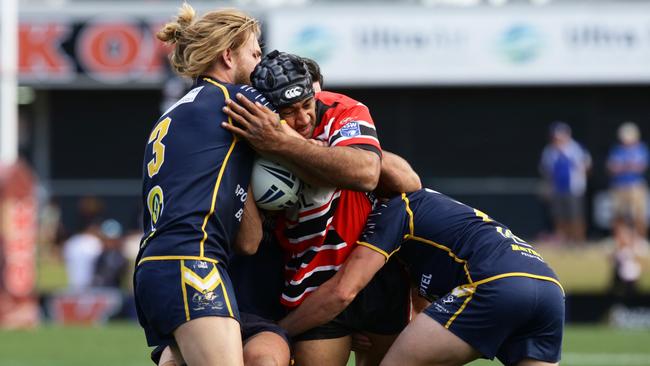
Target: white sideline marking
[[605, 359]]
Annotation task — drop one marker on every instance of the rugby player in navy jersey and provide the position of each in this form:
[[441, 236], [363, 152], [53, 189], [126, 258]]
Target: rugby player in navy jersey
[[492, 293], [319, 233], [195, 183]]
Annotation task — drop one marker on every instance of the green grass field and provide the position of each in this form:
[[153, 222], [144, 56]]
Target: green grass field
[[123, 344], [581, 270]]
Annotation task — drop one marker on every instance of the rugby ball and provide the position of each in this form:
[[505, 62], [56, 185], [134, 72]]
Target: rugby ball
[[274, 186]]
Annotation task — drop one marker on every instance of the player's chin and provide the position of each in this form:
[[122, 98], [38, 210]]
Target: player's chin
[[306, 132]]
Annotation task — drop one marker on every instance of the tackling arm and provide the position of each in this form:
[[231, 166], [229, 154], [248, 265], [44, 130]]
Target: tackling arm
[[332, 297], [397, 176], [340, 166], [250, 231]]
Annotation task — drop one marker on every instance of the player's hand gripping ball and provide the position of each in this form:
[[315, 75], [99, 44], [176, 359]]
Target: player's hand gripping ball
[[274, 186]]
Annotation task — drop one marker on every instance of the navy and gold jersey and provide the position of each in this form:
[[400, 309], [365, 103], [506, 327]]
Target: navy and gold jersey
[[447, 244], [195, 177]]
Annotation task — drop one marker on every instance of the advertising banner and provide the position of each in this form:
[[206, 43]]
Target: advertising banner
[[104, 52], [508, 45]]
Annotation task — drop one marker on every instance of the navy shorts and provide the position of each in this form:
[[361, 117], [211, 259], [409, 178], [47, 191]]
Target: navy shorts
[[169, 293], [382, 307], [511, 318], [252, 325]]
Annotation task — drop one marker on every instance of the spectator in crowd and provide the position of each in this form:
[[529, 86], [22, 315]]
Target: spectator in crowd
[[111, 265], [627, 164], [89, 209], [564, 166], [80, 253], [626, 259]]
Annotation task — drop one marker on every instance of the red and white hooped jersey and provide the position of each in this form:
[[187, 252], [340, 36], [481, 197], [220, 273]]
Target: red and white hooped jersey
[[319, 233]]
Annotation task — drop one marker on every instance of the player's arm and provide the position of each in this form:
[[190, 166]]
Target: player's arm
[[397, 176], [332, 297], [340, 166], [250, 230]]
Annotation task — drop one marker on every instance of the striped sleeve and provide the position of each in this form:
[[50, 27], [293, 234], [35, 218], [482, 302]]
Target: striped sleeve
[[255, 96], [355, 127]]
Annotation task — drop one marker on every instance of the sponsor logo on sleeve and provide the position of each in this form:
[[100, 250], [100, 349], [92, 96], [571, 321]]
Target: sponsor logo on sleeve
[[351, 129]]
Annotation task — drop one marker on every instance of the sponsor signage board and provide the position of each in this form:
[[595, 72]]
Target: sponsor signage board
[[360, 46], [508, 45]]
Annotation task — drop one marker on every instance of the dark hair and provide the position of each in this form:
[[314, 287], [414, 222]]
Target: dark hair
[[559, 127], [314, 70], [283, 79]]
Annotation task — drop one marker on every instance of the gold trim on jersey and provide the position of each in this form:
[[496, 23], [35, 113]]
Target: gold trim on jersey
[[144, 242], [410, 213], [446, 249], [378, 250], [201, 284], [460, 310], [215, 192], [473, 286], [225, 295], [176, 258], [184, 290], [519, 274]]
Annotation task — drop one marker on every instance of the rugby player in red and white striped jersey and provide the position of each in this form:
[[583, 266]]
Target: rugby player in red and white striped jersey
[[320, 232]]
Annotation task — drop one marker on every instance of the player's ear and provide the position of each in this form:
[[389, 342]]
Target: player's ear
[[227, 57]]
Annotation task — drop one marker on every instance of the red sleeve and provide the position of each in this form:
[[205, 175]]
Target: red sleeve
[[354, 127]]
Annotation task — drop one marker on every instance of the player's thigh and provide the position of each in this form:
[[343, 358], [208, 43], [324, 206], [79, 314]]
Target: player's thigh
[[211, 340], [266, 349], [323, 352], [380, 346], [426, 342]]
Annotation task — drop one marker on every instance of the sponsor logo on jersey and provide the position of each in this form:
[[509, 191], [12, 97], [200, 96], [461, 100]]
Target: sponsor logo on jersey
[[155, 204], [351, 129], [440, 308], [425, 281], [293, 92], [207, 300], [448, 299], [346, 120], [200, 265]]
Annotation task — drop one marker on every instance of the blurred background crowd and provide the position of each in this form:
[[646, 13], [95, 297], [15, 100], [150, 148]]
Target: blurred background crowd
[[534, 111]]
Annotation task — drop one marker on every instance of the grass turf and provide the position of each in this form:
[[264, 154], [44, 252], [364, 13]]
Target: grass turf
[[123, 344]]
